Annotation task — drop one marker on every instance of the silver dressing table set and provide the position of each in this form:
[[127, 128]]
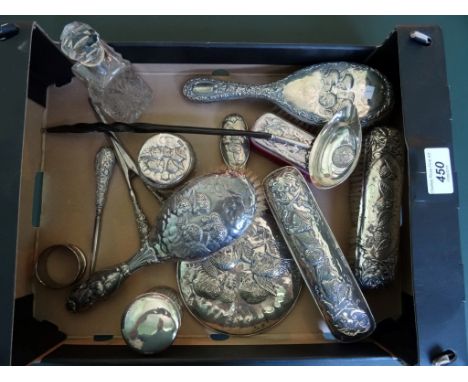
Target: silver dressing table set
[[244, 247]]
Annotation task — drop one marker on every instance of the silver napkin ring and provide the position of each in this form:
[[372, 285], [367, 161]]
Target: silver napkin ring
[[42, 271]]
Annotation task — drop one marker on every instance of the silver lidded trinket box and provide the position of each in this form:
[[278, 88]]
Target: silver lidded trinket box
[[165, 160], [151, 322]]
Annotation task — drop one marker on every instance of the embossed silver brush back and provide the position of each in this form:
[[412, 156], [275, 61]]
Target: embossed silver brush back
[[313, 94], [376, 196], [318, 255], [246, 287], [335, 152], [296, 155], [202, 217], [250, 285]]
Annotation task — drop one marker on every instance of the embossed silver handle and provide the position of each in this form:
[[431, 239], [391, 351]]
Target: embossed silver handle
[[140, 218], [318, 256], [212, 90], [104, 166], [99, 286], [103, 284]]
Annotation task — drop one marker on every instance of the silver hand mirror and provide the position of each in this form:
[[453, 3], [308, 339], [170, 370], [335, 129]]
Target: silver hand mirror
[[313, 94]]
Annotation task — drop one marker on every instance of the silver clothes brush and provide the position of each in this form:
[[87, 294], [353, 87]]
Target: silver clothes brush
[[376, 192], [318, 255]]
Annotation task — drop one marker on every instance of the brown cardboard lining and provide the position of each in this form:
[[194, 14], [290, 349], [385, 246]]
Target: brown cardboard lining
[[69, 195]]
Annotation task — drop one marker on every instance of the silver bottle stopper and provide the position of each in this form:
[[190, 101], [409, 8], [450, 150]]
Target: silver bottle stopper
[[313, 94], [116, 91], [318, 255], [151, 322], [165, 160]]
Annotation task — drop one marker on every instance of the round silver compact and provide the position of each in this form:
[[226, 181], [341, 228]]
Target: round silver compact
[[245, 288], [60, 266], [151, 322], [165, 160]]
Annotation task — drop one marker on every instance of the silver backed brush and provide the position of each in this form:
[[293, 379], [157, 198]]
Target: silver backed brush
[[250, 285], [376, 192], [318, 255]]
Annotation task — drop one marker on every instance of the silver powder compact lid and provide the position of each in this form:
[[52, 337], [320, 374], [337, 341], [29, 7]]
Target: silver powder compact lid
[[165, 160], [151, 322]]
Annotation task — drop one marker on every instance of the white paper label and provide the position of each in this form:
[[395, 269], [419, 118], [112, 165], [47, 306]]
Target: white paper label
[[438, 170], [369, 92]]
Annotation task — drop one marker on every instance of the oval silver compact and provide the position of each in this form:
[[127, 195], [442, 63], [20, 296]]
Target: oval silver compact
[[235, 150], [165, 160], [335, 152], [244, 288]]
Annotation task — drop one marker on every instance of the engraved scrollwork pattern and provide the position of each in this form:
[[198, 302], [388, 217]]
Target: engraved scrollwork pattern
[[379, 217], [318, 255]]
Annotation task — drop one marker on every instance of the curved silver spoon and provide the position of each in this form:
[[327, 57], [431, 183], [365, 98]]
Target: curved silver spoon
[[335, 152]]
